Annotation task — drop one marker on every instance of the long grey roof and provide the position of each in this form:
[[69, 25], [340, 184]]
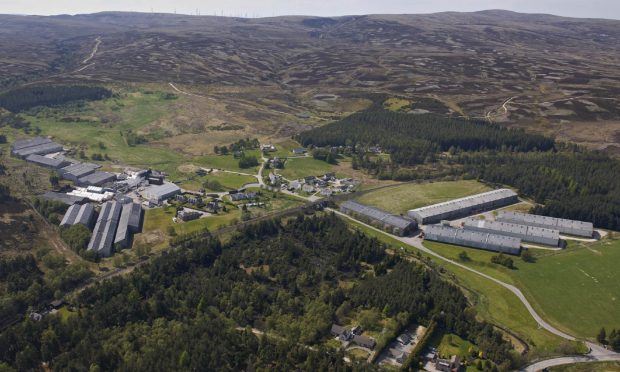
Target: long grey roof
[[30, 142], [47, 162], [78, 214], [473, 238], [462, 203], [377, 214], [527, 233], [160, 191], [127, 221], [65, 198], [45, 148], [97, 178], [105, 229], [80, 169], [563, 225]]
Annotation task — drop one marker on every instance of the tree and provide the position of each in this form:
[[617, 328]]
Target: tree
[[463, 256], [602, 335], [54, 180], [527, 256], [172, 231]]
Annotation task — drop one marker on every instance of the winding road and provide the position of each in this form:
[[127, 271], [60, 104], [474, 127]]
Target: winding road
[[597, 353]]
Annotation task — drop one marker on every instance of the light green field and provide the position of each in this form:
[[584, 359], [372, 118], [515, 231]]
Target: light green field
[[302, 167], [285, 148], [228, 181], [401, 198], [454, 345], [493, 302], [575, 289], [228, 162]]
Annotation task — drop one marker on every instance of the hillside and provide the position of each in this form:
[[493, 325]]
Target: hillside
[[555, 75]]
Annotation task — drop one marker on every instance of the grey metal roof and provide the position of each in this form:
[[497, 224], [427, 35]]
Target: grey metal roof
[[79, 170], [128, 222], [46, 162], [462, 203], [105, 229], [377, 214], [97, 178], [45, 148], [471, 238], [563, 225], [78, 214], [64, 198], [527, 233], [36, 141], [165, 190]]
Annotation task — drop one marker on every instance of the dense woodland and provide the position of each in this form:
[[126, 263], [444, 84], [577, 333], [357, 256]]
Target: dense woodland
[[568, 181], [191, 309], [25, 98]]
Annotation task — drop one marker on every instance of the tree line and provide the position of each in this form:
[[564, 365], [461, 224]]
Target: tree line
[[25, 98], [181, 311]]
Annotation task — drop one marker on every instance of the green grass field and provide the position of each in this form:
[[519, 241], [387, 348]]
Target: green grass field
[[401, 198], [227, 162], [228, 181], [301, 167], [575, 289]]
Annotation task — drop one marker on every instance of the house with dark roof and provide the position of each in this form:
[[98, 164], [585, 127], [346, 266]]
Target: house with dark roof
[[364, 341]]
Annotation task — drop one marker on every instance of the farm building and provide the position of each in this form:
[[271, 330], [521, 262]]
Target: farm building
[[79, 214], [159, 193], [64, 198], [188, 215], [34, 146], [104, 233], [571, 227], [76, 171], [464, 206], [392, 223], [97, 179], [474, 239], [531, 234], [128, 224], [45, 162]]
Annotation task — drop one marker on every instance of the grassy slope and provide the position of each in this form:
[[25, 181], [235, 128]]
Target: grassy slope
[[401, 198], [576, 289], [301, 167]]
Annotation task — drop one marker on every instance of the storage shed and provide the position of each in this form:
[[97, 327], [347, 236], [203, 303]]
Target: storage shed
[[105, 230], [79, 214], [571, 227], [531, 234], [474, 239], [392, 223]]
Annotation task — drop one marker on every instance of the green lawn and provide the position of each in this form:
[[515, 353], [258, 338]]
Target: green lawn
[[575, 289], [228, 181], [301, 167], [401, 198], [451, 344], [228, 162]]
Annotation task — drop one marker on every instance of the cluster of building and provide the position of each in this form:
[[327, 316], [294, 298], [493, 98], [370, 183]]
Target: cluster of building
[[354, 335], [325, 185], [240, 196], [115, 227], [34, 146], [392, 223], [463, 207], [434, 362]]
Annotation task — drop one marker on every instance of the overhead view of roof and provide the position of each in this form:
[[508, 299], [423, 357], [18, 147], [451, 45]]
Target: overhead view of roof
[[471, 238], [97, 179], [64, 198], [79, 170], [79, 214], [47, 162], [161, 192], [104, 232], [463, 206], [376, 214], [565, 226], [128, 223], [532, 234], [42, 147]]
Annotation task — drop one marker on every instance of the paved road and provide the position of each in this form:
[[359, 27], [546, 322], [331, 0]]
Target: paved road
[[597, 352]]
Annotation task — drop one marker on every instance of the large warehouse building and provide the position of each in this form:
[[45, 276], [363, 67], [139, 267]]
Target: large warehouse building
[[464, 206], [46, 162], [530, 234], [571, 227], [397, 225], [158, 193], [105, 230], [76, 171], [128, 224], [34, 146], [79, 214], [474, 239]]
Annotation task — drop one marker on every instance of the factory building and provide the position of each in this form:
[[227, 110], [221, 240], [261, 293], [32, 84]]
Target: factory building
[[128, 224], [397, 225], [76, 171], [34, 146], [64, 198], [530, 234], [474, 239], [46, 162], [96, 179], [464, 206], [104, 233], [571, 227], [158, 193], [79, 214]]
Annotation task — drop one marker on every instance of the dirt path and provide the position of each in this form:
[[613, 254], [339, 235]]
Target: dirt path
[[93, 52]]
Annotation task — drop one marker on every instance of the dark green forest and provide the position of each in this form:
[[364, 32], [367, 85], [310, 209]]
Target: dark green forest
[[193, 308], [25, 98]]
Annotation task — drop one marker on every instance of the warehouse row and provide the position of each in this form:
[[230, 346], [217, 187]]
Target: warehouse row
[[392, 223], [115, 227]]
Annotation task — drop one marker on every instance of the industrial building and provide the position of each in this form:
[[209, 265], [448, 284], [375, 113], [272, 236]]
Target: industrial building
[[79, 214], [46, 162], [128, 224], [104, 233], [76, 171], [64, 198], [96, 179], [34, 146], [392, 223], [530, 234], [571, 227], [463, 207], [158, 193], [474, 239]]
